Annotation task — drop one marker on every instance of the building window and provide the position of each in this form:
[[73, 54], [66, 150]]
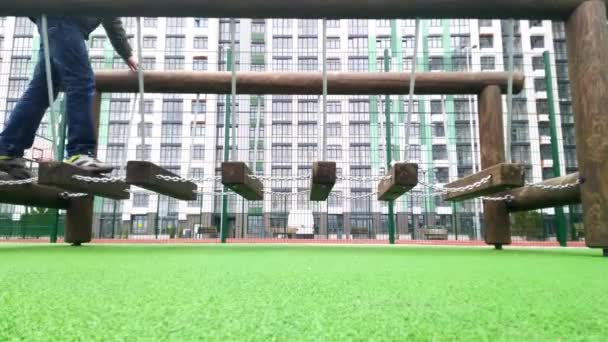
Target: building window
[[333, 43], [281, 154], [538, 63], [307, 64], [334, 64], [488, 63], [435, 22], [149, 42], [174, 63], [537, 42], [440, 152], [173, 111], [536, 23], [486, 41], [442, 174], [97, 62], [281, 27], [438, 130], [97, 42], [334, 130], [358, 45], [540, 84], [198, 152], [520, 132], [149, 63], [334, 152], [435, 63], [20, 67], [333, 23], [199, 64], [150, 22], [140, 200], [357, 27], [357, 64], [435, 42], [200, 22], [542, 106], [200, 42], [360, 154], [147, 129], [174, 45], [308, 27], [170, 155]]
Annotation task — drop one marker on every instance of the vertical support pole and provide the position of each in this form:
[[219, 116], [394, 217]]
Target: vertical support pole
[[560, 218], [492, 146], [324, 64], [79, 216], [60, 155], [389, 151], [79, 221], [510, 48], [224, 215], [49, 80], [587, 39]]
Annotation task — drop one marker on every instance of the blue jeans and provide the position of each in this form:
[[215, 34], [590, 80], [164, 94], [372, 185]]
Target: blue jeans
[[72, 72]]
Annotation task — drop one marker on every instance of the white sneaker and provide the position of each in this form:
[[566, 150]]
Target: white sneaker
[[89, 163]]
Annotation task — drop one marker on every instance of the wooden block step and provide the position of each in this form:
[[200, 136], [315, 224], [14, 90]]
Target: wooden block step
[[237, 177], [61, 175], [404, 177], [323, 180], [503, 177], [145, 175]]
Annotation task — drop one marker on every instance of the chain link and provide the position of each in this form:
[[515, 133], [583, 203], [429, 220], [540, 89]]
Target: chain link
[[281, 179], [470, 187], [506, 198], [103, 180], [555, 187], [364, 179], [19, 182], [177, 179], [67, 195]]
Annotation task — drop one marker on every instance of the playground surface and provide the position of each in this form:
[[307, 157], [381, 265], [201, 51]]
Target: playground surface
[[286, 292]]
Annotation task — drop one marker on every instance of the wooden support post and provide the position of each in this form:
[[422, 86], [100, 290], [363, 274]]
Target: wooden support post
[[404, 177], [533, 197], [504, 177], [587, 38], [322, 181], [145, 175], [79, 221], [496, 215], [237, 177]]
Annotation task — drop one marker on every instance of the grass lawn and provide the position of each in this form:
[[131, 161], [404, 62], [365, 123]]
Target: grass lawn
[[291, 293]]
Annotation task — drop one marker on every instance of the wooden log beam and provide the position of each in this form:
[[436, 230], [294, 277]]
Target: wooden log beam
[[145, 175], [587, 38], [322, 181], [237, 177], [362, 9], [495, 214], [503, 177], [404, 177], [33, 195], [61, 175], [533, 197], [306, 83]]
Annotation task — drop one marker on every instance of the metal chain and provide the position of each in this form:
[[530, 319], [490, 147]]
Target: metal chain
[[103, 180], [371, 194], [67, 195], [19, 182], [177, 179], [556, 187], [364, 179], [506, 198], [461, 189], [288, 178]]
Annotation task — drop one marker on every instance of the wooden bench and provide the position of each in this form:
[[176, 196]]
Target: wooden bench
[[435, 234]]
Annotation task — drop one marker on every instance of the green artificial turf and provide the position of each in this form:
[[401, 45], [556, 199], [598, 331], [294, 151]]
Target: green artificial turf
[[287, 293]]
